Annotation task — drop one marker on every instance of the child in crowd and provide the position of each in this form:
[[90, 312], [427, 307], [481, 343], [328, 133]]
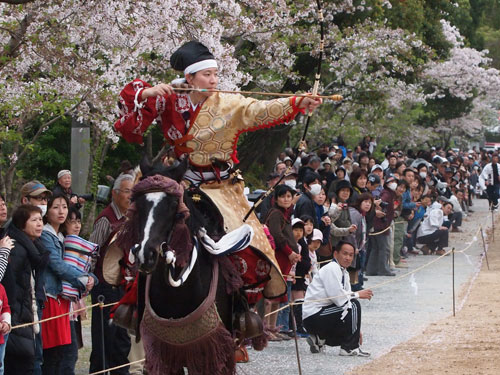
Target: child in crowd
[[314, 244], [308, 226], [4, 325], [302, 269]]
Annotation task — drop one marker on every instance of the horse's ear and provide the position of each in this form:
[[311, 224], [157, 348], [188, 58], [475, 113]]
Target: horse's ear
[[179, 171], [145, 164]]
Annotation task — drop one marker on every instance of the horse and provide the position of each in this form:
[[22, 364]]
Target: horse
[[185, 294]]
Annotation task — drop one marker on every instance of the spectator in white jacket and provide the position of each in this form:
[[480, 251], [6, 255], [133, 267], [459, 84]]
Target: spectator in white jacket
[[331, 311], [432, 233]]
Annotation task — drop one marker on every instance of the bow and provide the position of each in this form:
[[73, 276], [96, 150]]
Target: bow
[[317, 77], [314, 93]]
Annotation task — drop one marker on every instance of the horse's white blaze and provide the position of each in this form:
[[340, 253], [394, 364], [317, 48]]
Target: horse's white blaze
[[155, 197]]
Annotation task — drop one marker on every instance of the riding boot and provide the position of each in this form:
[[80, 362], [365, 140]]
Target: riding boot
[[297, 312]]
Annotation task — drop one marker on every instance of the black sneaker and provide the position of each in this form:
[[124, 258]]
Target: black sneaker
[[353, 353], [315, 343]]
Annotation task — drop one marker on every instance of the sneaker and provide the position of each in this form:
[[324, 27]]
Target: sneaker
[[425, 250], [353, 353], [315, 343], [283, 336], [362, 353]]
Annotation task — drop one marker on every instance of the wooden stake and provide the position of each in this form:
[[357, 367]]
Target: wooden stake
[[453, 276], [485, 250], [294, 326]]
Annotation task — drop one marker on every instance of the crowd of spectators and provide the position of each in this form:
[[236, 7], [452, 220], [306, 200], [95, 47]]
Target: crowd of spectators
[[388, 210], [40, 280], [326, 203]]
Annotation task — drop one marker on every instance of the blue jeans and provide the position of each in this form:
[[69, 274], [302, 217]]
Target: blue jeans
[[2, 352], [284, 315]]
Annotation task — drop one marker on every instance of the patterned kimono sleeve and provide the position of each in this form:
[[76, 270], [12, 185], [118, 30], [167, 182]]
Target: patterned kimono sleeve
[[257, 114], [135, 114]]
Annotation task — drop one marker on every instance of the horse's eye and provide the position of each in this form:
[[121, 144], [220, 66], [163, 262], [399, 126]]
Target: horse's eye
[[135, 249]]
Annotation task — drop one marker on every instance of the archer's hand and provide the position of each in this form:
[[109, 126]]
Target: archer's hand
[[309, 104], [160, 89], [183, 86]]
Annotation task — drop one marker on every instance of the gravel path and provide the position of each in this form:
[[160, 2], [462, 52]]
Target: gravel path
[[399, 310]]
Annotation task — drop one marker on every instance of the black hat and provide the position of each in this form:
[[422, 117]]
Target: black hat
[[341, 185], [192, 57]]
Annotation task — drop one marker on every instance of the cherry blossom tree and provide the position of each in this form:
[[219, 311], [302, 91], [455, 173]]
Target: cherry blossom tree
[[466, 79]]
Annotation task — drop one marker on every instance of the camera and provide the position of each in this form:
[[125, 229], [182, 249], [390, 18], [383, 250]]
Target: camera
[[383, 206], [88, 197]]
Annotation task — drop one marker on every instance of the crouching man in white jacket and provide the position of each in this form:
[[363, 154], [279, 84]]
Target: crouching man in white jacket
[[331, 312]]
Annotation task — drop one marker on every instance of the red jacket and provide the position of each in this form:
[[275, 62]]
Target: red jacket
[[4, 310]]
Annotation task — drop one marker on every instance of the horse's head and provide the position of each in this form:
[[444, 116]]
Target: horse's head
[[156, 207]]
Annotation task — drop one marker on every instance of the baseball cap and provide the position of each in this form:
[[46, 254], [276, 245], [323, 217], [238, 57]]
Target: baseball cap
[[34, 188], [317, 235], [375, 167], [373, 178], [296, 221]]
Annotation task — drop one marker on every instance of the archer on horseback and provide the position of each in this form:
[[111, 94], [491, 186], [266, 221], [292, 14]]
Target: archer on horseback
[[205, 126]]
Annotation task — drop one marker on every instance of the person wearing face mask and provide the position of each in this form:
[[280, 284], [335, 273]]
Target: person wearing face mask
[[378, 260], [36, 194], [24, 285], [305, 205]]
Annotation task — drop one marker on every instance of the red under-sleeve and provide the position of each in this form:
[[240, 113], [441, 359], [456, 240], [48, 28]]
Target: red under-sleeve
[[134, 121]]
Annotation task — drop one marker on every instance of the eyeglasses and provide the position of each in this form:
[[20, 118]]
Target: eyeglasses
[[125, 191], [43, 198]]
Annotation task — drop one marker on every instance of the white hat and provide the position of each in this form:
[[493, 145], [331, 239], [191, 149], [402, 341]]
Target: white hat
[[63, 172], [297, 220], [375, 167], [317, 235]]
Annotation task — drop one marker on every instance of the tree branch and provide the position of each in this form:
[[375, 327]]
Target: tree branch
[[41, 128]]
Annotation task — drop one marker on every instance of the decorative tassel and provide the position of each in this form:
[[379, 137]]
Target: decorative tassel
[[211, 354]]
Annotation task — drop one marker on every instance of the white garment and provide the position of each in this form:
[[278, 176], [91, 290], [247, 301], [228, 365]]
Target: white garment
[[433, 220], [456, 204], [314, 263], [487, 175], [330, 285]]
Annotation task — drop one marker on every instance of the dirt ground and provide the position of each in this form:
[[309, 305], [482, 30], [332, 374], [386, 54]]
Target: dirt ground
[[468, 343]]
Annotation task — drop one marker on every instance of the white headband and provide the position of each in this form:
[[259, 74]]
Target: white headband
[[200, 65]]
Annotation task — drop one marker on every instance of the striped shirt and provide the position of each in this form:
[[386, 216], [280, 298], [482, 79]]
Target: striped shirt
[[102, 227], [4, 260]]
